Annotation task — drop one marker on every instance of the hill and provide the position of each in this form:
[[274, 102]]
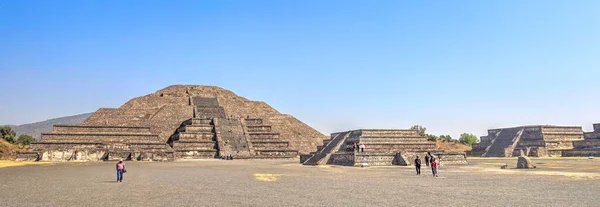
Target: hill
[[451, 146], [37, 128], [7, 151]]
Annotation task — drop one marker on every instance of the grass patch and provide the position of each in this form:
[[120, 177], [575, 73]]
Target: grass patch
[[9, 163]]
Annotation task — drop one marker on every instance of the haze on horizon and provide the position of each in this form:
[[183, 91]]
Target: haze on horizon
[[451, 66]]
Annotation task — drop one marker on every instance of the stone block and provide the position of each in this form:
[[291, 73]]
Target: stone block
[[524, 163]]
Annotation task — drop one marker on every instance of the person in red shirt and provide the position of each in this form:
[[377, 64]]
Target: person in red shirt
[[434, 167]]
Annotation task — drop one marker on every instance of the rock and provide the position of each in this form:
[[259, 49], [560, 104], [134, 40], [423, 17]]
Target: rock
[[524, 163]]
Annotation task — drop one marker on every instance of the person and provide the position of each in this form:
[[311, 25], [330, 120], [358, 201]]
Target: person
[[120, 170], [362, 147], [418, 165], [431, 158], [354, 147], [434, 167], [427, 159]]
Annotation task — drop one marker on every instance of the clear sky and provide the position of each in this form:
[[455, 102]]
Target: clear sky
[[451, 66]]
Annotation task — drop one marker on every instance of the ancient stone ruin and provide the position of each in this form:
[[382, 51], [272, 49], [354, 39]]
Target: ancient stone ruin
[[589, 146], [179, 122], [538, 141], [524, 163], [382, 147]]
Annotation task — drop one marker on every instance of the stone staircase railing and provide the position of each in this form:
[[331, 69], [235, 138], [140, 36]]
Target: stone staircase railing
[[487, 149], [331, 147], [508, 152]]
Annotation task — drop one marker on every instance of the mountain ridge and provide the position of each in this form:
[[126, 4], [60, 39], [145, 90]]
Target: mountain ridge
[[37, 128]]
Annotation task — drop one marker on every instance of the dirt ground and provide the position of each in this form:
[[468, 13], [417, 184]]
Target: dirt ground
[[555, 182]]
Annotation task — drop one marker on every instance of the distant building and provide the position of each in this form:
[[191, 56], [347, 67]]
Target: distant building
[[539, 141]]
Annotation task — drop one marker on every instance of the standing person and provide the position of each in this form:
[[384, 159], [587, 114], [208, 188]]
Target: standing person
[[120, 170], [431, 158], [434, 167], [427, 159], [355, 147], [362, 147], [418, 165]]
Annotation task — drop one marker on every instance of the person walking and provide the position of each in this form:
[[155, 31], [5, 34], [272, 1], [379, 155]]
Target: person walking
[[362, 147], [434, 167], [120, 170], [427, 159], [418, 165]]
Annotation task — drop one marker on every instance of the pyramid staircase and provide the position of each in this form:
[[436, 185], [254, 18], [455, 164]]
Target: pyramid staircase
[[195, 139]]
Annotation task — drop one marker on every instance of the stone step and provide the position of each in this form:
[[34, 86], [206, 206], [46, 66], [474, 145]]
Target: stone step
[[187, 146], [83, 141], [392, 140], [78, 129], [194, 135], [276, 153], [259, 128], [390, 132], [195, 140], [98, 136], [196, 154], [269, 145], [196, 128], [254, 122], [379, 142], [263, 135], [398, 147], [196, 121], [265, 140]]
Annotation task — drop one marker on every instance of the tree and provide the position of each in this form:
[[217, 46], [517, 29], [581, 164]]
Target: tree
[[431, 137], [8, 134], [420, 129], [468, 139], [447, 138], [25, 139]]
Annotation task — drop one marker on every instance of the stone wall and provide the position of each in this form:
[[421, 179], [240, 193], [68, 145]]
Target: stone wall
[[342, 159], [375, 159], [452, 158]]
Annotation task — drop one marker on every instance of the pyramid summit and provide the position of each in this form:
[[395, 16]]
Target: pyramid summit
[[179, 122]]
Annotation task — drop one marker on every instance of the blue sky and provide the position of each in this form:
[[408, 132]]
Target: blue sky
[[451, 66]]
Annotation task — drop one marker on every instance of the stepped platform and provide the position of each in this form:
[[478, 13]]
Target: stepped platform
[[589, 146], [98, 143], [264, 142], [382, 147], [533, 140]]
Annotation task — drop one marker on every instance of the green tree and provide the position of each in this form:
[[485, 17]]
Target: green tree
[[447, 138], [8, 134], [431, 137], [468, 139], [25, 139], [420, 129]]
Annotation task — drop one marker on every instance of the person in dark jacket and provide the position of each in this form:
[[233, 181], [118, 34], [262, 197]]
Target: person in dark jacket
[[418, 165], [427, 159]]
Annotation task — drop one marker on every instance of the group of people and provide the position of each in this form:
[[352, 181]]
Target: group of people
[[359, 148], [428, 159]]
